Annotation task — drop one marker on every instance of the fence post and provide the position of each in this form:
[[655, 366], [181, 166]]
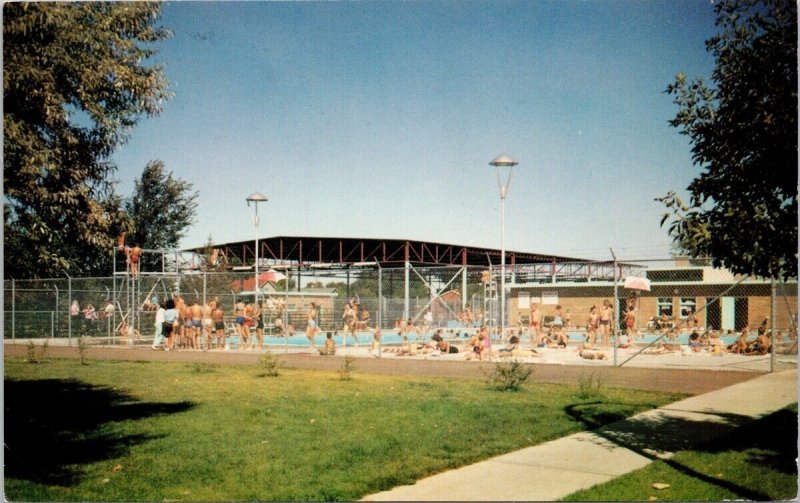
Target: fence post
[[13, 309], [772, 316], [69, 318], [57, 295], [285, 314], [52, 324], [463, 288], [380, 309], [406, 291], [205, 286], [616, 308]]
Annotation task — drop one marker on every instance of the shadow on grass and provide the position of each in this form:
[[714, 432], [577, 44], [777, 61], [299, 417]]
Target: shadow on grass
[[769, 441], [54, 426], [596, 413]]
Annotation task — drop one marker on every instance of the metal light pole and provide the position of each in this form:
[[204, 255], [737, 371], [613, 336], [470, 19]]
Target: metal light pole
[[255, 198], [503, 161]]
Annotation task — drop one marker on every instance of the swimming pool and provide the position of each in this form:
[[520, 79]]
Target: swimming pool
[[392, 337], [300, 339]]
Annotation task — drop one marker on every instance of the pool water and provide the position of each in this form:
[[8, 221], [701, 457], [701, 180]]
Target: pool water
[[300, 339], [392, 337]]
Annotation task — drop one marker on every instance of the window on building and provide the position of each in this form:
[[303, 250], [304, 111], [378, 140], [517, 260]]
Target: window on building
[[688, 306], [664, 307], [669, 275]]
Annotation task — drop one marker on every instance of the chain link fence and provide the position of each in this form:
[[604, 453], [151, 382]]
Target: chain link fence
[[682, 314]]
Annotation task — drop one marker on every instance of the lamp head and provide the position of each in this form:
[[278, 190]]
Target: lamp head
[[256, 197], [503, 160]]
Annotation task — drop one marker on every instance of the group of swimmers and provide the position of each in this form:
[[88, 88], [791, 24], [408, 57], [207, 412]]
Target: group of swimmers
[[598, 323], [354, 318], [181, 324]]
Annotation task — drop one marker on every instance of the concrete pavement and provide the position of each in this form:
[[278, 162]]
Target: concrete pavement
[[558, 468]]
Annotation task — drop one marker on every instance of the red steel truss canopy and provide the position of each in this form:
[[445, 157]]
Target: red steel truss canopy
[[305, 251]]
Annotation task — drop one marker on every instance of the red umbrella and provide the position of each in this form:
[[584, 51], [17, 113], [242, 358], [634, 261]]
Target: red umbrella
[[637, 283]]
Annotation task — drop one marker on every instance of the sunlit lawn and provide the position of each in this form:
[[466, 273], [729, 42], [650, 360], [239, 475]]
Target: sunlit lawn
[[149, 431], [756, 462]]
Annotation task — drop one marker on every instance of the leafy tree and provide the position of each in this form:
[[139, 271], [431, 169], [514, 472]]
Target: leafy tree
[[161, 210], [74, 84], [742, 211]]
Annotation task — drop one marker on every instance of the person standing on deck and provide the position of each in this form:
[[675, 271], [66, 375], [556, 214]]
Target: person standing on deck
[[605, 321], [312, 328], [535, 325]]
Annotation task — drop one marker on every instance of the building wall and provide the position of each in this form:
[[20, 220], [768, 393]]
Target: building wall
[[578, 308], [578, 299]]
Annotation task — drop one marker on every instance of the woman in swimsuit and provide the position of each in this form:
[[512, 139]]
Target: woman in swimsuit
[[536, 320], [591, 326], [258, 314], [312, 328]]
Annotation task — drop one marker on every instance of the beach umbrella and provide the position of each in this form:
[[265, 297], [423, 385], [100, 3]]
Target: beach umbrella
[[637, 283]]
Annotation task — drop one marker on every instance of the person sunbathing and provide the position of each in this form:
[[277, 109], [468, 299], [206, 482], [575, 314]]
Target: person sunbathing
[[513, 349], [591, 354], [555, 339], [740, 345], [760, 346], [524, 353], [560, 338], [410, 349], [694, 342], [446, 348], [513, 343], [659, 349], [471, 343], [714, 343], [480, 345], [405, 349]]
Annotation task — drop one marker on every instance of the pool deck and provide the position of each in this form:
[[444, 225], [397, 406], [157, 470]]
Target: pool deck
[[561, 366], [627, 357]]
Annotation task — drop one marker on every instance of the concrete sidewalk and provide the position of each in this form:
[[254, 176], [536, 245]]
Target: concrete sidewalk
[[558, 468]]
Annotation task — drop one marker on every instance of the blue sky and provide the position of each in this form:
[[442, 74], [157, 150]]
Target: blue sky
[[378, 119]]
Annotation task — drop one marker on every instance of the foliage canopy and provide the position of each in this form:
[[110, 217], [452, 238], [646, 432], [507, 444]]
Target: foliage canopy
[[742, 211], [161, 209], [74, 85]]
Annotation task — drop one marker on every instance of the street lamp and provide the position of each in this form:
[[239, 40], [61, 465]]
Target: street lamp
[[503, 161], [255, 198]]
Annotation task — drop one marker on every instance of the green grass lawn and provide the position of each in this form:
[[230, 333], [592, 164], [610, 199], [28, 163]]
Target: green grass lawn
[[135, 431], [756, 462]]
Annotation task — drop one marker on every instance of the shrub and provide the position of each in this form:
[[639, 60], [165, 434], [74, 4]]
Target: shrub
[[589, 387], [203, 367], [346, 372], [83, 349], [31, 355], [270, 365], [509, 376]]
